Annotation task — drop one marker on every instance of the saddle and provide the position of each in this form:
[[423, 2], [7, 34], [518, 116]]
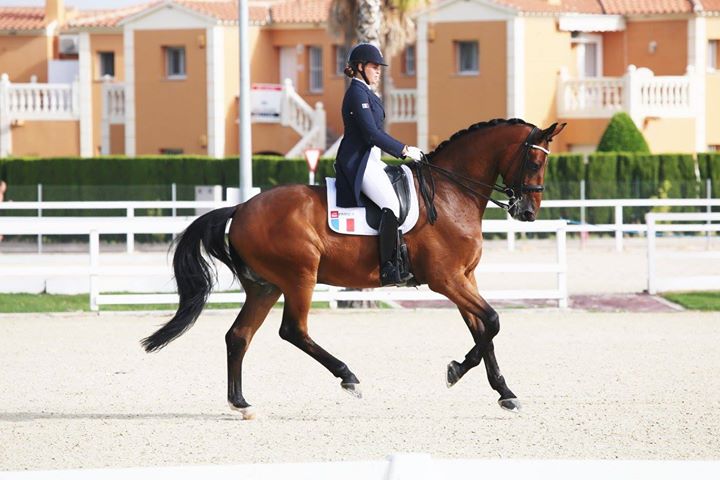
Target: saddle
[[366, 220], [400, 184]]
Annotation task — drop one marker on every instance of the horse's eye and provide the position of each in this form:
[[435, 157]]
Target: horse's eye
[[534, 167]]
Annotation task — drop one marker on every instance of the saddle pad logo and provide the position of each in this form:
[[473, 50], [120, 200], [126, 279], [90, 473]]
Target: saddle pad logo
[[334, 214], [350, 223]]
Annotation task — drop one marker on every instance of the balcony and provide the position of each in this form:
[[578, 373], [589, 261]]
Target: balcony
[[639, 93]]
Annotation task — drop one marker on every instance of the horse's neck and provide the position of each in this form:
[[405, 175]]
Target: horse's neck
[[479, 166]]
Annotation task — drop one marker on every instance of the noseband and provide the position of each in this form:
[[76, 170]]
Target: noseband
[[513, 193]]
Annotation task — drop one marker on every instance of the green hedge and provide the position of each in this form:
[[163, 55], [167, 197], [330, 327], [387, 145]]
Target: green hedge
[[607, 175], [709, 164]]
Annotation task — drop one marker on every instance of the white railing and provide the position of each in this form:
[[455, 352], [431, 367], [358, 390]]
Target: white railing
[[639, 93], [129, 210], [39, 101], [113, 95], [678, 222], [113, 111], [95, 226], [308, 123], [590, 98], [618, 227], [666, 96], [401, 105]]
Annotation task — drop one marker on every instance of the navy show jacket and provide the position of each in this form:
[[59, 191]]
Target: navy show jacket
[[363, 114]]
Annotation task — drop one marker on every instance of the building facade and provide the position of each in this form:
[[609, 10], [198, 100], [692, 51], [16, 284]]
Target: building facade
[[162, 77]]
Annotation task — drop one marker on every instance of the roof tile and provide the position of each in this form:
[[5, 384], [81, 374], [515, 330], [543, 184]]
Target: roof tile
[[305, 11], [630, 7], [543, 6], [105, 18], [22, 18]]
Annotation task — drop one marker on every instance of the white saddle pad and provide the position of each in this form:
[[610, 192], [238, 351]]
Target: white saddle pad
[[352, 221]]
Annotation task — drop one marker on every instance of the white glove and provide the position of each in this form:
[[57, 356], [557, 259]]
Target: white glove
[[415, 153]]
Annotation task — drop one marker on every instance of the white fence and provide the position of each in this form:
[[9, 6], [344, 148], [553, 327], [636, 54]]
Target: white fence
[[619, 227], [94, 226], [678, 222]]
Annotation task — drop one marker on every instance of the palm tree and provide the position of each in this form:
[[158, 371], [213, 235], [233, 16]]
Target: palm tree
[[385, 23]]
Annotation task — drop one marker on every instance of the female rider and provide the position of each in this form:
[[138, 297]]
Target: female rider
[[358, 167]]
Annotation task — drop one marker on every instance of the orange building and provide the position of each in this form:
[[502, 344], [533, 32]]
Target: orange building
[[162, 77]]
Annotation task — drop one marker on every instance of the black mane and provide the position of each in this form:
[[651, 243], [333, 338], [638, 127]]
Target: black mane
[[477, 126]]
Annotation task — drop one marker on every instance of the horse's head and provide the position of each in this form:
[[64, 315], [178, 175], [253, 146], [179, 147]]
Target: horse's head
[[525, 172]]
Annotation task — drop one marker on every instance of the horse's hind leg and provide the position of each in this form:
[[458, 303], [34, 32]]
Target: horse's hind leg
[[294, 330], [259, 300], [484, 323]]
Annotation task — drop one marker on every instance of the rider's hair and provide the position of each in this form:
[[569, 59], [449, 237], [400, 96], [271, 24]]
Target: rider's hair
[[351, 70]]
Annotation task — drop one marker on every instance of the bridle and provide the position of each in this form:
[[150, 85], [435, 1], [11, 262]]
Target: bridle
[[514, 192]]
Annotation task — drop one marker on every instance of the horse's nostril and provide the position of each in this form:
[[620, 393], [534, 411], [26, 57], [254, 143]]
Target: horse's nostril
[[529, 215]]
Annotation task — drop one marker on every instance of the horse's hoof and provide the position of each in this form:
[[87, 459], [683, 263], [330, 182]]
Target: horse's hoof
[[352, 388], [453, 373], [246, 413], [510, 404]]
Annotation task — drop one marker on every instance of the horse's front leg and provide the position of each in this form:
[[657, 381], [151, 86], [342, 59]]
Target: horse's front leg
[[484, 323]]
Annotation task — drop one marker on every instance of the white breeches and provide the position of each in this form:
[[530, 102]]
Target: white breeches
[[376, 184]]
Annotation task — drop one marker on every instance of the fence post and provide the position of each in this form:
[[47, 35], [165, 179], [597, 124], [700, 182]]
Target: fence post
[[708, 187], [510, 235], [39, 197], [94, 263], [562, 263], [130, 235], [583, 214], [173, 196], [650, 222], [618, 228]]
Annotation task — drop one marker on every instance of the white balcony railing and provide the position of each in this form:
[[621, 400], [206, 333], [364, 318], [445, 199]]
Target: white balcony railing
[[39, 101], [639, 93], [401, 104], [113, 101]]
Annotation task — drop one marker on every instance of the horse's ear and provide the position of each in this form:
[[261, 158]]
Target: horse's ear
[[553, 130]]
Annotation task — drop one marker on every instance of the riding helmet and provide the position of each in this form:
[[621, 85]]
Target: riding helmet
[[364, 53]]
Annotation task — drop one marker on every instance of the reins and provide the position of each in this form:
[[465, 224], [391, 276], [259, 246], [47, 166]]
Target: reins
[[513, 193]]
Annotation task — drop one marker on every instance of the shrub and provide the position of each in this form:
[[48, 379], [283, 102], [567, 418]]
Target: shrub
[[622, 135]]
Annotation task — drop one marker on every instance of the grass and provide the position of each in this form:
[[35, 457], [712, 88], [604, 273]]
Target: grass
[[46, 303], [706, 301]]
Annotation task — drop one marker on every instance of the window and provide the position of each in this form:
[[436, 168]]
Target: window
[[175, 62], [316, 70], [410, 60], [467, 58], [106, 64], [340, 59], [712, 53]]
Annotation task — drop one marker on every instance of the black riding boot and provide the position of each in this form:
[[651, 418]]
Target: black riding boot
[[393, 270]]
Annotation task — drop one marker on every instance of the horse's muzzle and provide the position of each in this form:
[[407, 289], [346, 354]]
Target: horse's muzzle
[[527, 216]]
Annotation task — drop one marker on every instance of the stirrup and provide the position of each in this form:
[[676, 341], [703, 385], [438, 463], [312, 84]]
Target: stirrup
[[393, 275]]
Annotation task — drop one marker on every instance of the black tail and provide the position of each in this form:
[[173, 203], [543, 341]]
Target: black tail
[[194, 275]]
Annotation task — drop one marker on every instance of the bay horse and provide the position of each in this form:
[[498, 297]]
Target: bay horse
[[280, 243]]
